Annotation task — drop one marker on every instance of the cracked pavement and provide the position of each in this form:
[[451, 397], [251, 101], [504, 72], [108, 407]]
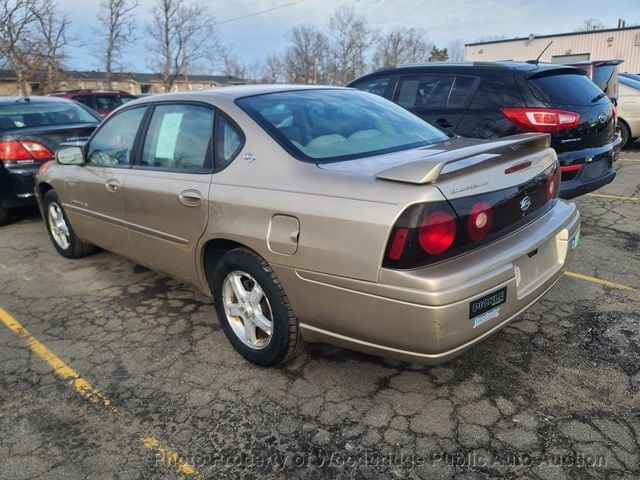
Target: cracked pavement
[[554, 395]]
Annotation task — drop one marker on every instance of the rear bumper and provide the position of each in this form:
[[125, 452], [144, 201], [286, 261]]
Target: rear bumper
[[423, 315], [596, 169], [17, 187]]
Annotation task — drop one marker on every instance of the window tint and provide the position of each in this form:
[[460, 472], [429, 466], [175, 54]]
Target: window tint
[[85, 100], [18, 115], [565, 89], [179, 136], [228, 142], [462, 89], [113, 144], [428, 91], [377, 86], [110, 102], [336, 124]]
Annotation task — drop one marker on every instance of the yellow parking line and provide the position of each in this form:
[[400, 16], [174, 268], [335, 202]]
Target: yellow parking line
[[629, 159], [606, 283], [612, 197], [84, 388]]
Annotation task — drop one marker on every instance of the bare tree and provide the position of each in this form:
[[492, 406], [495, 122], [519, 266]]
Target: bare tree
[[273, 69], [231, 65], [591, 24], [305, 61], [52, 33], [456, 51], [401, 45], [116, 29], [350, 37], [182, 34], [17, 29]]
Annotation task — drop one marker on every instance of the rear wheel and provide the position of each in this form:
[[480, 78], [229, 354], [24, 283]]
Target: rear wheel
[[60, 232], [4, 216], [624, 133], [253, 309]]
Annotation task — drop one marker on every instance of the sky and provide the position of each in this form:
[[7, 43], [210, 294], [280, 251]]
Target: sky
[[444, 21]]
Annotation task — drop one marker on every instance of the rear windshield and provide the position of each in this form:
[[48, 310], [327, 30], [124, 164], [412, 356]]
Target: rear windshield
[[332, 125], [565, 89], [20, 115]]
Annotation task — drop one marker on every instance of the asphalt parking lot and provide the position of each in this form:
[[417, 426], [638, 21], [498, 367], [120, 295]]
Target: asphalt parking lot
[[109, 370]]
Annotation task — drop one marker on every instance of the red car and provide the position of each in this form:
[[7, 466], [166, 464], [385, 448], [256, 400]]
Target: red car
[[101, 101]]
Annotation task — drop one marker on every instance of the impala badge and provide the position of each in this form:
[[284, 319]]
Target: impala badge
[[525, 203]]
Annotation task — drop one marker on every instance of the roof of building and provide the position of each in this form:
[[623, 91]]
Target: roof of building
[[136, 77], [565, 34]]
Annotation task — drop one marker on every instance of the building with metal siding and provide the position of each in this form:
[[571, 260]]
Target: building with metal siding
[[614, 43]]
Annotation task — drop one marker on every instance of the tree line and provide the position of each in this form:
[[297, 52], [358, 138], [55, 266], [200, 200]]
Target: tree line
[[180, 38]]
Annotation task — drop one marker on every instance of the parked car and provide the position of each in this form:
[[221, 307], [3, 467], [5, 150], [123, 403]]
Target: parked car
[[604, 73], [629, 109], [31, 130], [101, 101], [494, 99], [632, 76], [322, 214]]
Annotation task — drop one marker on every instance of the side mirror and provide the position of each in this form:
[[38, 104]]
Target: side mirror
[[70, 156]]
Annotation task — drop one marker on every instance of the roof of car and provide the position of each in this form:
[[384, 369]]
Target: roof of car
[[528, 66], [32, 99]]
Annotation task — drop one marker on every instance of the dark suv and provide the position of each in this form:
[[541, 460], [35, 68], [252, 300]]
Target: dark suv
[[494, 99], [101, 101]]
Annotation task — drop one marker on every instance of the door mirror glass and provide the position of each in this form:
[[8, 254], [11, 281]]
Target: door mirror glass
[[70, 156]]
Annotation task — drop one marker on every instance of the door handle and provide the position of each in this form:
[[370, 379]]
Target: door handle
[[112, 185], [444, 123], [190, 197]]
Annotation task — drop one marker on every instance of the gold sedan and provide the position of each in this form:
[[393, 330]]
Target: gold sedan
[[319, 214]]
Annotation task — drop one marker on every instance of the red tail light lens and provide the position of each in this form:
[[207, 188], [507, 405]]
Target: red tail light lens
[[437, 232], [23, 152], [479, 221], [553, 183], [547, 120], [397, 245]]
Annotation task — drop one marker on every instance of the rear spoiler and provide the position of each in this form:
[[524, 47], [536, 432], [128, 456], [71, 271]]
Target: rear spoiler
[[429, 169]]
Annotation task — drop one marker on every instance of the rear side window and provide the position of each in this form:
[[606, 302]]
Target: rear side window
[[85, 100], [377, 85], [461, 91], [179, 137], [229, 140], [110, 102], [113, 143], [424, 92], [565, 89]]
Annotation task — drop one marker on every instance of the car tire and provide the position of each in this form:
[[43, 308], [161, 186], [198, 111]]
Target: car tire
[[625, 134], [60, 231], [253, 309], [4, 216]]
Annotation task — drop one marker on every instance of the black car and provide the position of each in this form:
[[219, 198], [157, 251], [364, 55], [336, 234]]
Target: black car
[[31, 130], [495, 99]]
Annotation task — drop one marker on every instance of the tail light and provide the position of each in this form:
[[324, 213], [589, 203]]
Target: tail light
[[479, 221], [547, 120], [553, 182], [437, 232], [22, 152]]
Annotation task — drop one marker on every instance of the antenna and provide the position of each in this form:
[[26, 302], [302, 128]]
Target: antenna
[[537, 60]]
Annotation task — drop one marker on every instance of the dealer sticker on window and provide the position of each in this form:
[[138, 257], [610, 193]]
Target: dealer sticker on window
[[487, 305]]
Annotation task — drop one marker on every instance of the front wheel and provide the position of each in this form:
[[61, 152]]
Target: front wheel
[[253, 309], [60, 232], [624, 134]]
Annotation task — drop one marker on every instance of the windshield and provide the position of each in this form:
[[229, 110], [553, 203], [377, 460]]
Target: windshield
[[18, 115], [331, 125]]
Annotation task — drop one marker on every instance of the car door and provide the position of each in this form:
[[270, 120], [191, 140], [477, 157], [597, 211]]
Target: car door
[[94, 191], [440, 99], [166, 193]]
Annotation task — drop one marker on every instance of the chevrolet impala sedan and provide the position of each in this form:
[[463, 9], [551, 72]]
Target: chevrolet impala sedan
[[319, 214]]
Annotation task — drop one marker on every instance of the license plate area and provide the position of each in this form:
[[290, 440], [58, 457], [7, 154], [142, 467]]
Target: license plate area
[[535, 268]]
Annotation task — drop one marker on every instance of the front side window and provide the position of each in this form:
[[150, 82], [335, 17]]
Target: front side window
[[424, 92], [113, 144], [325, 125], [179, 137]]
